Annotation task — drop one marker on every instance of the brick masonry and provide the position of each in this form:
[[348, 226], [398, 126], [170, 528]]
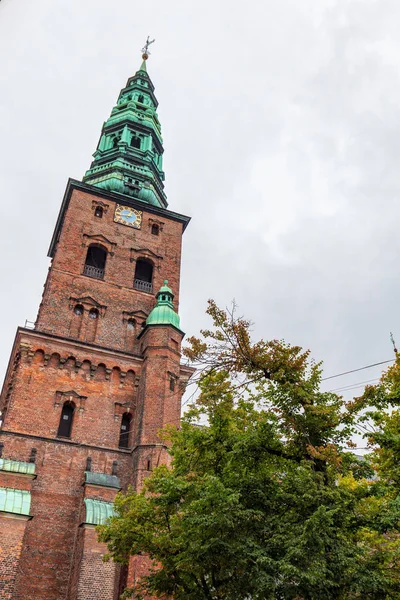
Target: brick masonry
[[104, 370], [98, 580], [11, 537], [114, 296]]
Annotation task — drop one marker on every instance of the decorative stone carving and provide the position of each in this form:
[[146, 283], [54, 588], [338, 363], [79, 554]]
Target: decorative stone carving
[[121, 408], [100, 239], [146, 253], [103, 205], [88, 303], [156, 222], [139, 315], [70, 396]]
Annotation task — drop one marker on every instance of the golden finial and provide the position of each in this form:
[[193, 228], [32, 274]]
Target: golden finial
[[145, 48]]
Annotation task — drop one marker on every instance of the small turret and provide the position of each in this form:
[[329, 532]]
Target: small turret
[[163, 313]]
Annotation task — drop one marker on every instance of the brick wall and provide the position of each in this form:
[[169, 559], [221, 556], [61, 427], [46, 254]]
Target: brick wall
[[11, 536], [104, 388], [51, 372], [51, 542], [114, 295], [98, 580]]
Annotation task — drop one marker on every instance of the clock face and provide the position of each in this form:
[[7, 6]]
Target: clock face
[[128, 216]]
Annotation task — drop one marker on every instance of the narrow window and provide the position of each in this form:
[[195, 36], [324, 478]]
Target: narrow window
[[91, 329], [114, 470], [125, 431], [155, 229], [115, 142], [95, 261], [78, 310], [143, 276], [141, 99], [149, 465], [130, 336], [88, 464], [65, 426], [76, 321], [98, 212], [172, 384], [32, 457], [136, 141]]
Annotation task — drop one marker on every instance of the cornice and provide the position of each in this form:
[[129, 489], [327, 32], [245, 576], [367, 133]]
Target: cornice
[[73, 184], [67, 341]]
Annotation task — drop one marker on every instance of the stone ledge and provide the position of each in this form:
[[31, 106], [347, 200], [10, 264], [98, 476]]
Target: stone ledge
[[17, 467], [102, 480]]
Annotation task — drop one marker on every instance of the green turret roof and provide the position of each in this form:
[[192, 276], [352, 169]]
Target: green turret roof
[[163, 313], [128, 158]]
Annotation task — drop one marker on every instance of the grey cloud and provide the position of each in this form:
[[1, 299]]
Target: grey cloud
[[281, 125]]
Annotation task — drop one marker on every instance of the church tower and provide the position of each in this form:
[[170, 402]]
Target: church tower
[[89, 387]]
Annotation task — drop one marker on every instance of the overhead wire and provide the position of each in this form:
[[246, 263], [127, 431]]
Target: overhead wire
[[343, 388], [383, 362], [354, 385]]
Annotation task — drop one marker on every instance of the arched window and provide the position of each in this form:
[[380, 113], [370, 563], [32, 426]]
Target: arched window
[[95, 261], [155, 229], [98, 212], [93, 313], [136, 141], [125, 430], [143, 276], [76, 321], [67, 415], [78, 310], [141, 99]]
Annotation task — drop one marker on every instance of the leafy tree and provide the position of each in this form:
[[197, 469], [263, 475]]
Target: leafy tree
[[267, 501]]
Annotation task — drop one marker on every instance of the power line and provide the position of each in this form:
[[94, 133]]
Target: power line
[[354, 385], [384, 362]]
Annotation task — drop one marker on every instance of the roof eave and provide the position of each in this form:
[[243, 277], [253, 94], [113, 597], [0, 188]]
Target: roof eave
[[95, 191]]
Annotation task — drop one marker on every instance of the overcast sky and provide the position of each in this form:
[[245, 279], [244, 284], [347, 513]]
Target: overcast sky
[[281, 125]]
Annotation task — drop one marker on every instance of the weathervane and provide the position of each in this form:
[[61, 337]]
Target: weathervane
[[393, 342], [145, 48]]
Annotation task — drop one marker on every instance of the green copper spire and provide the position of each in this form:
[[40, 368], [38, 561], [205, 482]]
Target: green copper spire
[[128, 159], [163, 313]]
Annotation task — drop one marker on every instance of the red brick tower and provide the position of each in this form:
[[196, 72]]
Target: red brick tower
[[87, 390]]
